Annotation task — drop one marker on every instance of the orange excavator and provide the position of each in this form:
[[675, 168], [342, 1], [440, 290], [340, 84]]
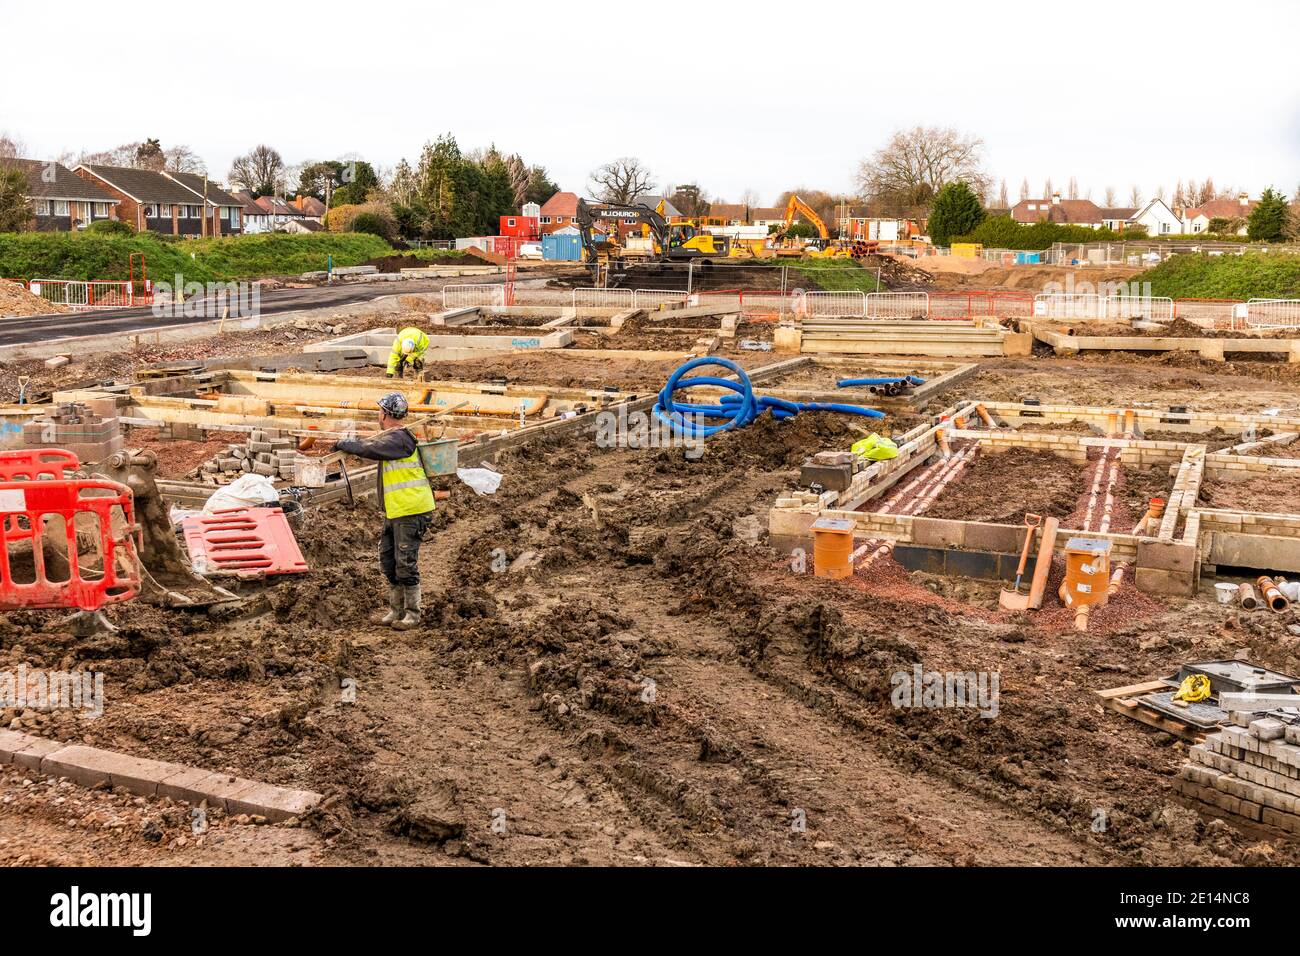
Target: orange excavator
[[823, 247]]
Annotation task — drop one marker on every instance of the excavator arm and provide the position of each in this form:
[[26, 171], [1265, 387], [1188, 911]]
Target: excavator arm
[[588, 215], [797, 205]]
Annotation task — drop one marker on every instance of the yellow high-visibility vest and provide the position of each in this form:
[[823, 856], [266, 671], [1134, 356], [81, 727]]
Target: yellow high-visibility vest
[[406, 488]]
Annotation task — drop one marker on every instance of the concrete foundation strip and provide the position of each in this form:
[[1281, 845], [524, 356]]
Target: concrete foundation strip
[[90, 766]]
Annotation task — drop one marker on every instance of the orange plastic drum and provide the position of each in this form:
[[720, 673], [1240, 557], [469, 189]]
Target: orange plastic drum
[[832, 545]]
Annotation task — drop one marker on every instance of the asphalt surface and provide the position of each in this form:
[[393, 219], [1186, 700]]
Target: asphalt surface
[[53, 328]]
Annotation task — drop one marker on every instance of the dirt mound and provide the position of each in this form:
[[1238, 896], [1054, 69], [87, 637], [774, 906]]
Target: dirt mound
[[15, 300], [1001, 488], [397, 263]]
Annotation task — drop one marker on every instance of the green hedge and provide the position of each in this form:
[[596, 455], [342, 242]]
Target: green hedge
[[1003, 232], [1249, 276], [50, 255]]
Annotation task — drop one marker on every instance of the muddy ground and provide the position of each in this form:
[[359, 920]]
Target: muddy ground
[[652, 683]]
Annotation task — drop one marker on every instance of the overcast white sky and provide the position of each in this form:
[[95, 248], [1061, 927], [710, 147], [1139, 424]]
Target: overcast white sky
[[734, 96]]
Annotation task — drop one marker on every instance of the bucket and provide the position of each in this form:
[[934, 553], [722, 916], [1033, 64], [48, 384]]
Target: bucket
[[439, 457], [1225, 592]]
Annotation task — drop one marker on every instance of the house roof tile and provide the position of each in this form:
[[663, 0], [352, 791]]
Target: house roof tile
[[561, 204], [216, 195], [143, 185], [49, 180]]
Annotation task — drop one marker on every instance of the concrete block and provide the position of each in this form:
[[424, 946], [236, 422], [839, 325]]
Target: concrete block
[[938, 533], [1256, 703], [1166, 556], [12, 741], [34, 751], [1268, 728], [185, 783], [1001, 538], [1165, 582]]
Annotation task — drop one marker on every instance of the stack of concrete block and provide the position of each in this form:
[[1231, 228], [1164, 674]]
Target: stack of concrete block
[[267, 452], [1250, 769], [90, 433]]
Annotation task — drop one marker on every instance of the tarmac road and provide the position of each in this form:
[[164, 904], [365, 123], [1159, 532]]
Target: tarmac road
[[52, 328]]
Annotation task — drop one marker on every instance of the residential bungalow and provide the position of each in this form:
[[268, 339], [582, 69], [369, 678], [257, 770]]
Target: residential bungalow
[[767, 217], [729, 214], [1074, 212], [310, 206], [1197, 218], [225, 211], [1158, 218], [62, 201], [149, 200], [254, 217], [279, 211]]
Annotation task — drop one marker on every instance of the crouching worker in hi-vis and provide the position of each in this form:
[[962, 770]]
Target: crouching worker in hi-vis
[[407, 503], [408, 350]]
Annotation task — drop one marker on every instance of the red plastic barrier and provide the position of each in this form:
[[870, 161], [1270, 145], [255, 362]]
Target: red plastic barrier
[[246, 542], [34, 487]]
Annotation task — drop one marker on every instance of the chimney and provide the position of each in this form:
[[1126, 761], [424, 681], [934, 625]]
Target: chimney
[[1243, 198], [1056, 199]]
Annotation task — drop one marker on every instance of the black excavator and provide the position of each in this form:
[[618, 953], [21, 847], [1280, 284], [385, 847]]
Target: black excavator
[[672, 242]]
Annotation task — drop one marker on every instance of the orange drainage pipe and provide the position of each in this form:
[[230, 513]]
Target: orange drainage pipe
[[1112, 424], [1155, 511], [1275, 599], [943, 443], [984, 415], [1130, 422], [1109, 507], [1246, 594], [1081, 616]]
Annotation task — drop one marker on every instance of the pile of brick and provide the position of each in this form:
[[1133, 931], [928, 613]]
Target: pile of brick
[[92, 433], [1250, 769], [267, 452]]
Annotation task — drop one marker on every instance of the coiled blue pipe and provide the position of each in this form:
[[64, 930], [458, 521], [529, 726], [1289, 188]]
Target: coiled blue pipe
[[737, 409], [908, 379]]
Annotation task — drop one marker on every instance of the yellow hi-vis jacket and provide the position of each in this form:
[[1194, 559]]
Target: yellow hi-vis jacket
[[400, 479], [396, 356], [875, 448], [406, 487]]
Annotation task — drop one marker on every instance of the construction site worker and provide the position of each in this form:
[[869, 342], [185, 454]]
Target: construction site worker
[[408, 349], [407, 502]]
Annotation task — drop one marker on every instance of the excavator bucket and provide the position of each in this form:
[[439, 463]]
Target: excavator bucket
[[169, 580]]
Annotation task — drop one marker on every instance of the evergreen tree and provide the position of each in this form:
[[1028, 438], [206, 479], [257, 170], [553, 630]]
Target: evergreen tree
[[1270, 220], [956, 212]]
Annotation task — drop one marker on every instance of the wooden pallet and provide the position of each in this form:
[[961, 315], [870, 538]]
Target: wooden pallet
[[1124, 700]]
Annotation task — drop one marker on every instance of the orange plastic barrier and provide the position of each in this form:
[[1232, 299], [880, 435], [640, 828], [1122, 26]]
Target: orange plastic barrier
[[35, 488], [246, 542]]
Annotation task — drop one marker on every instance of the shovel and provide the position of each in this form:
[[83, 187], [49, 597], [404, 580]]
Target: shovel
[[1013, 599]]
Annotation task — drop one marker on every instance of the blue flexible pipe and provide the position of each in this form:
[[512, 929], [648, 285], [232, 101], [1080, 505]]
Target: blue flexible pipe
[[735, 410]]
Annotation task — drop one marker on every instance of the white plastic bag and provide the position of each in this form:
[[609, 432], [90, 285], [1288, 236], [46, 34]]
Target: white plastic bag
[[248, 491], [484, 481]]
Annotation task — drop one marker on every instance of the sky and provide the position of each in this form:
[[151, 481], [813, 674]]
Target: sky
[[736, 97]]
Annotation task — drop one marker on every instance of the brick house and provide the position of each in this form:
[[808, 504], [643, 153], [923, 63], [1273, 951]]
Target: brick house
[[559, 211], [310, 206], [1075, 212], [1197, 219], [225, 211], [280, 212], [62, 201], [149, 200]]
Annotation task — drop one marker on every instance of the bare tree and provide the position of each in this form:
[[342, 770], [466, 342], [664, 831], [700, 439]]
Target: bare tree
[[261, 170], [1072, 190], [182, 159], [906, 173], [1134, 197], [621, 181], [750, 198], [1047, 188], [11, 147], [1160, 193], [1004, 201], [1024, 189], [1110, 197]]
